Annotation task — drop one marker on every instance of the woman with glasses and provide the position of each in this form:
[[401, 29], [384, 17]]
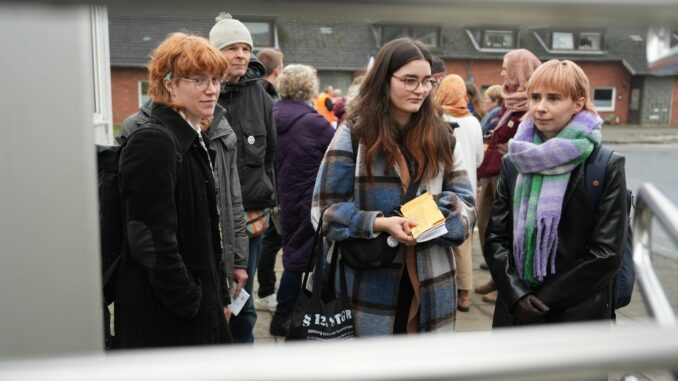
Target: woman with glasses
[[171, 288], [401, 139]]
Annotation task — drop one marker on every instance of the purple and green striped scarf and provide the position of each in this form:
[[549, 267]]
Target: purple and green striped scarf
[[544, 170]]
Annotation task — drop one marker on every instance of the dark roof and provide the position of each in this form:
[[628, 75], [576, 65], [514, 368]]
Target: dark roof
[[134, 35], [339, 45], [326, 45]]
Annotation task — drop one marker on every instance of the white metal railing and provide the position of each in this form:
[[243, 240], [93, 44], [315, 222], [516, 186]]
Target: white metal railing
[[566, 352], [650, 202]]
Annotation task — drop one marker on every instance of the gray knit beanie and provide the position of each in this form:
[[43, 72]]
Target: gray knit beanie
[[228, 31]]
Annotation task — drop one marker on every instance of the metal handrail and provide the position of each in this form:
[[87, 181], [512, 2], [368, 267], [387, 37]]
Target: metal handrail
[[552, 352], [651, 202]]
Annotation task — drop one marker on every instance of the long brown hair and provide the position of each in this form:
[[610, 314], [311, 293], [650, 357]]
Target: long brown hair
[[427, 138]]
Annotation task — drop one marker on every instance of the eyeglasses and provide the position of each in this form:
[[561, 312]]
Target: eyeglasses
[[411, 83], [201, 83]]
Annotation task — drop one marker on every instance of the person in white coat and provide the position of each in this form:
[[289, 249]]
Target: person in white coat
[[451, 96]]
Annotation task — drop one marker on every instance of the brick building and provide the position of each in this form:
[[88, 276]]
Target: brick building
[[624, 89]]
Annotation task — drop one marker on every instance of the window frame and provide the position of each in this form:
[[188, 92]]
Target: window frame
[[553, 39], [484, 35], [272, 32], [408, 31], [576, 41], [600, 41], [143, 98], [478, 34], [612, 99]]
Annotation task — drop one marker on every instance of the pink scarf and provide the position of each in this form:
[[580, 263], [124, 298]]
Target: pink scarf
[[519, 65]]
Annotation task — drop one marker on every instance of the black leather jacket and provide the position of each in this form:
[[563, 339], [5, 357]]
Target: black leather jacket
[[589, 253]]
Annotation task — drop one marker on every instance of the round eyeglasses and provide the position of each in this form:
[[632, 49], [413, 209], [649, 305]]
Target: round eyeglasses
[[412, 83], [201, 83]]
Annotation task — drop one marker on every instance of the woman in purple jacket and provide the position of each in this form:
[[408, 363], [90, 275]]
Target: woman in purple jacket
[[303, 137]]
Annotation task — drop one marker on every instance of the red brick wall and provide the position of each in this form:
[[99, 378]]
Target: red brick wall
[[674, 103], [125, 91], [606, 74], [601, 74]]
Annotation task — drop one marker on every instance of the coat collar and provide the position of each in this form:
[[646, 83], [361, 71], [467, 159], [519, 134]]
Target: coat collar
[[174, 123]]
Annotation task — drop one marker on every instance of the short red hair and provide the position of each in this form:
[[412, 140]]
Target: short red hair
[[180, 56]]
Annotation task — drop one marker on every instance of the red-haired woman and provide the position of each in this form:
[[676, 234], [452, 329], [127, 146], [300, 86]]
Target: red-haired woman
[[171, 289]]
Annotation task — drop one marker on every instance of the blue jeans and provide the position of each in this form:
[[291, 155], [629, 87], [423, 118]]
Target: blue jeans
[[243, 324], [290, 285]]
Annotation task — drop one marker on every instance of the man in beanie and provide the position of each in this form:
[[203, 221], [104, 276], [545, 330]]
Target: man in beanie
[[250, 111]]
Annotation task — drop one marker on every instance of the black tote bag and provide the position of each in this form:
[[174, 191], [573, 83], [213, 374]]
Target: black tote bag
[[321, 315]]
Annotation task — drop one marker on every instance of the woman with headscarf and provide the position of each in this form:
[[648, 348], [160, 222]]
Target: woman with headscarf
[[452, 97], [516, 70]]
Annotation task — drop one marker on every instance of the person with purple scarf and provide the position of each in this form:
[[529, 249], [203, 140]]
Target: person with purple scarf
[[551, 254]]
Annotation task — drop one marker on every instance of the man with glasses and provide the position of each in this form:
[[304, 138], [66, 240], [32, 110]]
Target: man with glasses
[[250, 112]]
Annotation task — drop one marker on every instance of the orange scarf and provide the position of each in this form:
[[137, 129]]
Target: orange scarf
[[451, 96]]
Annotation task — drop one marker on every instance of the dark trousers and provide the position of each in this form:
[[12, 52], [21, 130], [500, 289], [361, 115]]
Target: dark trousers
[[266, 273], [290, 285]]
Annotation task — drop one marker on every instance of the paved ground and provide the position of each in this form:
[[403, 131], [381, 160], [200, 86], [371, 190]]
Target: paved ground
[[479, 317], [624, 134]]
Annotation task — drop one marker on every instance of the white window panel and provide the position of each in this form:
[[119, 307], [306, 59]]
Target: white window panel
[[262, 33], [499, 39], [603, 98], [142, 92], [563, 41], [589, 41]]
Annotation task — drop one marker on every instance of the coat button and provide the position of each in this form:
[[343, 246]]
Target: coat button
[[596, 183]]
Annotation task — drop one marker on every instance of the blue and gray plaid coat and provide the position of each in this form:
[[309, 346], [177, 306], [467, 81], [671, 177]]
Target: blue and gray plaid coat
[[351, 204]]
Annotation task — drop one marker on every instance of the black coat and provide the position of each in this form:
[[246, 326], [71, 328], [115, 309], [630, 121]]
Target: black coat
[[171, 288], [249, 110], [589, 253]]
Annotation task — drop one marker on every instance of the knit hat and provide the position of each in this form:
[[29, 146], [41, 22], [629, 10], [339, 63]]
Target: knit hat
[[228, 31], [438, 65]]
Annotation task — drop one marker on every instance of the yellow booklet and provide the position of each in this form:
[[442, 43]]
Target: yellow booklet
[[425, 211]]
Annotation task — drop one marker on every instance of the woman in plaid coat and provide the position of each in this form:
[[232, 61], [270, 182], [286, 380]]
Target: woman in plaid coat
[[401, 139]]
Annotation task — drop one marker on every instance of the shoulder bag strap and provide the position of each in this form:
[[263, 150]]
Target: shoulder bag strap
[[595, 173]]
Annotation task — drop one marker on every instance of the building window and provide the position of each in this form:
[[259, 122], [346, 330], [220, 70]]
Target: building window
[[589, 41], [498, 39], [143, 92], [603, 98], [262, 32], [430, 36], [562, 41], [573, 41]]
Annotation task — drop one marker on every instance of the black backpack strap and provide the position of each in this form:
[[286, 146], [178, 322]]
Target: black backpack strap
[[595, 173], [511, 174]]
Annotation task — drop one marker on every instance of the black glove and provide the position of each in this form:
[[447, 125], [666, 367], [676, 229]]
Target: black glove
[[529, 309]]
